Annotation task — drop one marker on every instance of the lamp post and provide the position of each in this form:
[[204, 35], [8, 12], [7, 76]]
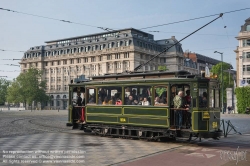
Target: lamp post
[[222, 103]]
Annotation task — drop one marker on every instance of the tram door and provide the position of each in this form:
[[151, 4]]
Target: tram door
[[78, 102], [187, 103]]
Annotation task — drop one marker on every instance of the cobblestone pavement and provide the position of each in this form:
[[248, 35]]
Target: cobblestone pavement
[[44, 134]]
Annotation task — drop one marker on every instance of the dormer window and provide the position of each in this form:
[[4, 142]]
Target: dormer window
[[248, 28]]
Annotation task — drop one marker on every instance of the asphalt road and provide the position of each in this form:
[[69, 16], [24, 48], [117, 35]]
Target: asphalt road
[[44, 133]]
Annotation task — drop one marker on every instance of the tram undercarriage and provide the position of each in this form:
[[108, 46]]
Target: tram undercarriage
[[146, 133]]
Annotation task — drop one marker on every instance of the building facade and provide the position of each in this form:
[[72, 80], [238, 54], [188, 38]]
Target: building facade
[[243, 55], [91, 55]]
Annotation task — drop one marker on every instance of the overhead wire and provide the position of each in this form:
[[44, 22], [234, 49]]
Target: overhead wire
[[109, 29], [11, 50], [176, 22], [188, 33], [55, 19]]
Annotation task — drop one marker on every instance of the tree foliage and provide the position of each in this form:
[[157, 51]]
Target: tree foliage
[[228, 81], [27, 87], [3, 90], [163, 68], [243, 98]]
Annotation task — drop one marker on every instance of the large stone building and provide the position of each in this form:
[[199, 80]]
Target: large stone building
[[96, 54], [243, 55]]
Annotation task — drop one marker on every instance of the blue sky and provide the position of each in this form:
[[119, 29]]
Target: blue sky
[[19, 32]]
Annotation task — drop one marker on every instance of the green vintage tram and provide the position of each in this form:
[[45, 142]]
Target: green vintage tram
[[140, 105]]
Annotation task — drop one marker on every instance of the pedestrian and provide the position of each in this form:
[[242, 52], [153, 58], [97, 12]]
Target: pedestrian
[[229, 109]]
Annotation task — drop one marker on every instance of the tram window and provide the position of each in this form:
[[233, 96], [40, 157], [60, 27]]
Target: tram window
[[203, 97], [161, 95], [211, 98], [217, 98], [110, 95], [91, 96], [138, 95]]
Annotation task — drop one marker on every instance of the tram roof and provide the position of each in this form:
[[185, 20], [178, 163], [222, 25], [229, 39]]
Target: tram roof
[[144, 75]]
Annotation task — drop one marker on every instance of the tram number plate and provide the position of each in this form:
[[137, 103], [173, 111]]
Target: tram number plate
[[215, 125], [123, 120], [206, 115]]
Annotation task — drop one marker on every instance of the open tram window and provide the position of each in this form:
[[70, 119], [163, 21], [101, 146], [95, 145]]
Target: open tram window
[[161, 95], [109, 95], [138, 95], [203, 97], [185, 88], [91, 96]]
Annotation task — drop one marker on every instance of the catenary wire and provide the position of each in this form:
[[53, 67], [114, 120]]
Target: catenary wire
[[194, 18]]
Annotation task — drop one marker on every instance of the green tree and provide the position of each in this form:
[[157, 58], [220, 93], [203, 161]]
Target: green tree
[[27, 87], [3, 90], [163, 68], [228, 81], [242, 95]]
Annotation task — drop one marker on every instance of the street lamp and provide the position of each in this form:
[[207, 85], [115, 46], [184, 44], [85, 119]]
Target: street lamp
[[222, 104]]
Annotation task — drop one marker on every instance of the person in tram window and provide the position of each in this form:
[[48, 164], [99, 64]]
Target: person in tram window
[[179, 105], [118, 101], [99, 101], [157, 100], [79, 99], [140, 101], [145, 101], [106, 101], [130, 100]]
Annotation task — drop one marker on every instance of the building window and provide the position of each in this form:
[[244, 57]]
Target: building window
[[64, 62], [85, 60], [246, 42], [248, 28], [82, 49], [141, 56], [126, 43], [118, 44], [100, 58], [126, 55], [65, 87], [109, 57], [52, 63], [109, 66], [110, 45], [118, 65], [126, 65], [117, 56], [101, 47], [78, 60], [92, 59], [71, 61], [99, 67]]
